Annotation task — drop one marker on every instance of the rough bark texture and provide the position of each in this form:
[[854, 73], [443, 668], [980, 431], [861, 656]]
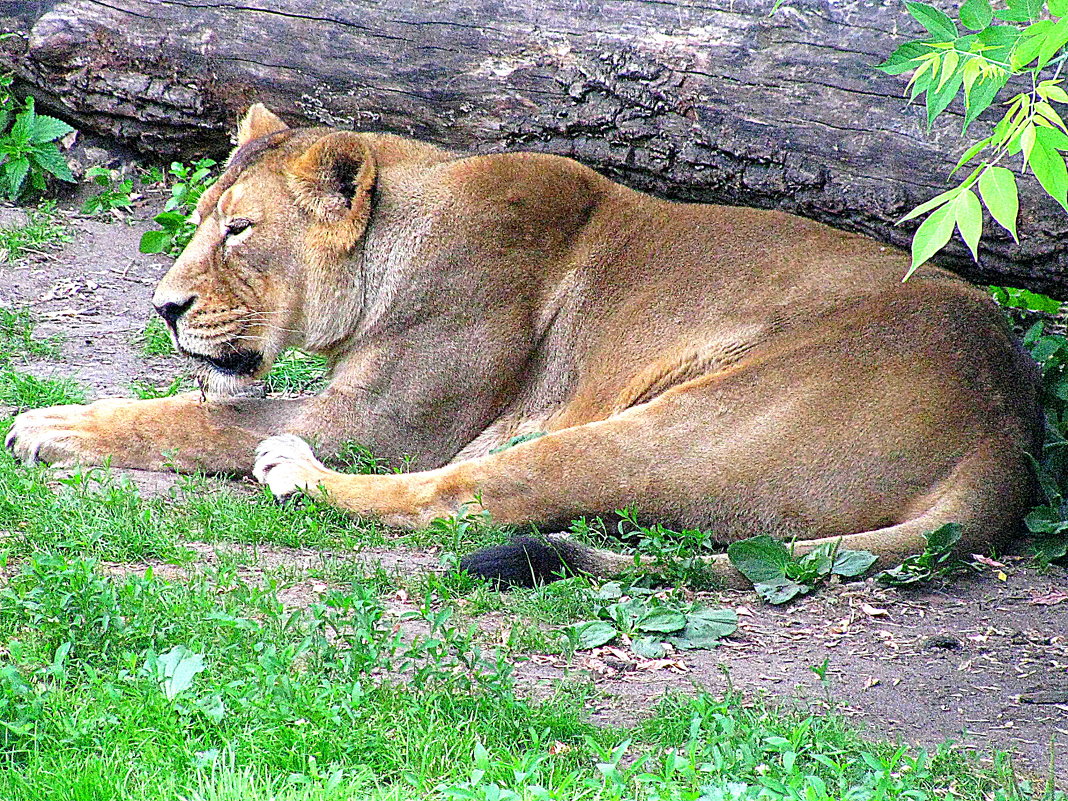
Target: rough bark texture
[[707, 100]]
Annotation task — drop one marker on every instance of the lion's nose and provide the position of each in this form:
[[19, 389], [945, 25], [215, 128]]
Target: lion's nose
[[171, 311]]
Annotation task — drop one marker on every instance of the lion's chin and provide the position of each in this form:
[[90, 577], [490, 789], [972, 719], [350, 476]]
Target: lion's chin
[[226, 375]]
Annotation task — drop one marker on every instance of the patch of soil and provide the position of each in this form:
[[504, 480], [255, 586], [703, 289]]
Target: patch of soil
[[983, 661]]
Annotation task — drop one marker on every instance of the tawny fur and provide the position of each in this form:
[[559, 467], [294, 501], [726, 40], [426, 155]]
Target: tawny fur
[[739, 370]]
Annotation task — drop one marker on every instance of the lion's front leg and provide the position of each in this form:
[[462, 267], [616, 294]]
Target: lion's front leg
[[184, 432], [287, 465]]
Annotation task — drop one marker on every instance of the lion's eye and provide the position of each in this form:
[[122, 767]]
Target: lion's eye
[[237, 226]]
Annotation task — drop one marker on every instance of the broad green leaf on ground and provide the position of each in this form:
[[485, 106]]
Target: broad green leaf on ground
[[705, 628], [760, 559], [852, 563], [997, 185], [944, 537], [592, 634], [662, 620], [781, 591], [176, 670], [648, 647]]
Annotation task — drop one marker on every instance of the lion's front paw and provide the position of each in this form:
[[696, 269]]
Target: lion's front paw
[[286, 464], [60, 435]]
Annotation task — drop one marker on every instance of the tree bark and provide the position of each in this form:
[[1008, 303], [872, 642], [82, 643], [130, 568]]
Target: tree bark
[[700, 100]]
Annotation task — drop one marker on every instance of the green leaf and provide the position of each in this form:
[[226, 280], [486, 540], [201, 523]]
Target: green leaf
[[976, 14], [903, 59], [971, 153], [705, 624], [1058, 8], [154, 241], [705, 628], [48, 158], [934, 202], [970, 220], [779, 592], [1020, 11], [932, 235], [997, 185], [1030, 44], [937, 23], [1054, 137], [1050, 549], [982, 95], [176, 670], [760, 559], [852, 563], [14, 173], [1048, 165], [662, 620], [591, 634], [648, 647], [939, 99], [1054, 40], [943, 538], [48, 129]]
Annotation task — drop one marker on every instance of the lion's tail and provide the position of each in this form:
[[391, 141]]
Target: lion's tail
[[987, 494]]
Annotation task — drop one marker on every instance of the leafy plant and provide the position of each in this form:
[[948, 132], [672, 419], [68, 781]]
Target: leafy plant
[[175, 230], [778, 576], [650, 623], [28, 151], [937, 559], [1024, 299], [114, 194], [995, 46], [1049, 520]]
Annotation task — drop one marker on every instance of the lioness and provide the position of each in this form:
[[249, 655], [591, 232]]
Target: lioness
[[742, 371]]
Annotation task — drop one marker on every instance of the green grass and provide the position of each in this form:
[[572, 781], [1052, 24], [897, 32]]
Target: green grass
[[17, 340], [296, 371], [135, 687], [155, 339], [44, 232], [120, 684]]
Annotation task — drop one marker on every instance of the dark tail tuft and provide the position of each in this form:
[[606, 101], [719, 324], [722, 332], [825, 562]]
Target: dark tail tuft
[[522, 562]]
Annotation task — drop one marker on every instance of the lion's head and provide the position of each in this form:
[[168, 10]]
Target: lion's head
[[261, 273]]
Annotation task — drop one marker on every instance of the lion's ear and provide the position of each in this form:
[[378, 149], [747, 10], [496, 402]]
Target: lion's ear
[[258, 121], [333, 179]]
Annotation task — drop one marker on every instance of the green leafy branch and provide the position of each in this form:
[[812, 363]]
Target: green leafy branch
[[978, 65]]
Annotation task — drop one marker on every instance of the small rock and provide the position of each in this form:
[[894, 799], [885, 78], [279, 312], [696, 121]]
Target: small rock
[[13, 217]]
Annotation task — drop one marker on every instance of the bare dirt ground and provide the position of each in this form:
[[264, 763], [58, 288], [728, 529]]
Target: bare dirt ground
[[982, 660]]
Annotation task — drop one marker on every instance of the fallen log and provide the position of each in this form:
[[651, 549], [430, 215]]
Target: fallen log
[[710, 100]]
